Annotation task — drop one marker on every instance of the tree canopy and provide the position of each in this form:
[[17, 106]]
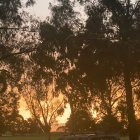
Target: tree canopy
[[94, 64]]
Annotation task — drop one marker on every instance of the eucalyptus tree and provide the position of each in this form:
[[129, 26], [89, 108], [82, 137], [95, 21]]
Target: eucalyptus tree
[[83, 122], [109, 48], [11, 20], [112, 48], [58, 52], [42, 105], [37, 88], [12, 54]]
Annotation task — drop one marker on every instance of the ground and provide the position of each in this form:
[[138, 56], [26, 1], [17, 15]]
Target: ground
[[37, 138], [26, 138]]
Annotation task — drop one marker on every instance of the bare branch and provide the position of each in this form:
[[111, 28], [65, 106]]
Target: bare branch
[[53, 113]]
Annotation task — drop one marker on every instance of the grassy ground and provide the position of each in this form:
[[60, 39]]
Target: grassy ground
[[37, 138], [27, 138], [124, 138]]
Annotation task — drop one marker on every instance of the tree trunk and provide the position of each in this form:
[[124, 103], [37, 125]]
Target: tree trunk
[[49, 135], [72, 117], [132, 127]]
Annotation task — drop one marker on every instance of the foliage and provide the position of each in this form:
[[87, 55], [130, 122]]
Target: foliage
[[41, 102], [32, 127], [10, 11], [8, 110], [90, 64], [81, 122], [12, 48], [108, 50], [110, 125], [114, 55]]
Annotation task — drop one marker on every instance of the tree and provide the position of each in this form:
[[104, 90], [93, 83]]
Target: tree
[[82, 121], [110, 103], [8, 110], [138, 124], [10, 12], [41, 102], [58, 51], [110, 124], [109, 49], [11, 47], [116, 52], [33, 127]]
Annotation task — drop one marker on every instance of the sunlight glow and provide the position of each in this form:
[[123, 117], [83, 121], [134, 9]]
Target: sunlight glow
[[23, 109]]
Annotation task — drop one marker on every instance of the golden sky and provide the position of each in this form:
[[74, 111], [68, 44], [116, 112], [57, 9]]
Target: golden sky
[[23, 109]]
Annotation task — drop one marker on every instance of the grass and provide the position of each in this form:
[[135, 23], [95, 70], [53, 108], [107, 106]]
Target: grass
[[26, 138], [36, 138], [124, 138]]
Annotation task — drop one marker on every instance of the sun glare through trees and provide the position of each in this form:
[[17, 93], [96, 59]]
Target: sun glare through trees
[[70, 69]]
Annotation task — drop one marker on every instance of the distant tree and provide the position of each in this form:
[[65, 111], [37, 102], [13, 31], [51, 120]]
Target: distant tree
[[110, 124], [81, 122], [41, 102], [33, 127], [18, 125], [61, 129]]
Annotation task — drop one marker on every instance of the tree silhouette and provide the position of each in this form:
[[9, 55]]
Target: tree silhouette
[[11, 47], [8, 110], [82, 121], [58, 51], [114, 53], [110, 124], [80, 60], [40, 98]]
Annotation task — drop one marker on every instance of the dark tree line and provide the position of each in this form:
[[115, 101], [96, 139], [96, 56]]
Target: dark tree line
[[95, 64], [106, 50]]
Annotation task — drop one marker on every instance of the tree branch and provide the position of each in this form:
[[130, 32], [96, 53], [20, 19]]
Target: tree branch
[[17, 53]]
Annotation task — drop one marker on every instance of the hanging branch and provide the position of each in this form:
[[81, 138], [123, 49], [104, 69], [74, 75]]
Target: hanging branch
[[24, 29]]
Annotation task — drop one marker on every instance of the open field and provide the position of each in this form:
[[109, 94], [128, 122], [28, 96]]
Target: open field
[[37, 138]]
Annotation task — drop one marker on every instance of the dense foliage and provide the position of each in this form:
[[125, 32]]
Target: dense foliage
[[94, 63]]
